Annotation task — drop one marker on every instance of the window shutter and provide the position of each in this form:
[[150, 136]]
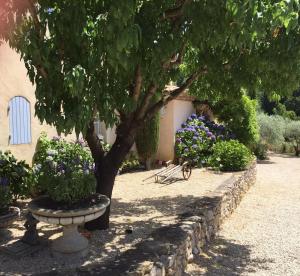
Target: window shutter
[[19, 121]]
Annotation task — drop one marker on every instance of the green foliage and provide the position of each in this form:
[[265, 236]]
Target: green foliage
[[230, 156], [272, 130], [287, 107], [83, 55], [16, 176], [282, 111], [5, 195], [131, 163], [292, 135], [260, 150], [195, 139], [240, 117], [64, 170], [147, 138]]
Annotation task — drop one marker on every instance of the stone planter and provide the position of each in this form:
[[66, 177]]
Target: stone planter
[[71, 242], [7, 219]]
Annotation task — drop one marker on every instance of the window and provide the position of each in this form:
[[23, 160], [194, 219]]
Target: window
[[19, 121]]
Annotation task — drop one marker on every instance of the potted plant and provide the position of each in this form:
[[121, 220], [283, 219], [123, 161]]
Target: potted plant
[[65, 177], [12, 178]]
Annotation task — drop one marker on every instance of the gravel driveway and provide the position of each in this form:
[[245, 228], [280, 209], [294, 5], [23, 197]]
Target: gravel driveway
[[262, 237]]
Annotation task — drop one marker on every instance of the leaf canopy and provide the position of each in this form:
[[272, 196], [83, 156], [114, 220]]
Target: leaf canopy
[[84, 56]]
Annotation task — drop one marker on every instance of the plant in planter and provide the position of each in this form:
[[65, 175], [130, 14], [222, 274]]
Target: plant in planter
[[65, 178]]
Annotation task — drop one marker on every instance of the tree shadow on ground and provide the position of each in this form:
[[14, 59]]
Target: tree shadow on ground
[[265, 162], [226, 258], [285, 155]]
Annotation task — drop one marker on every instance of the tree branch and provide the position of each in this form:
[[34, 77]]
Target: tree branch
[[94, 143], [146, 102], [138, 83], [174, 94], [36, 21], [176, 59]]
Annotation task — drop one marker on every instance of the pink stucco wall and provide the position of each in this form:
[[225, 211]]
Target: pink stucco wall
[[14, 82], [172, 116]]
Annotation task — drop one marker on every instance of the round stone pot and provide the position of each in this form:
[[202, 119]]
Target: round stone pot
[[7, 219], [71, 242]]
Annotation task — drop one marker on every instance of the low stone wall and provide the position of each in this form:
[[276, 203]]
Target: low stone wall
[[198, 227]]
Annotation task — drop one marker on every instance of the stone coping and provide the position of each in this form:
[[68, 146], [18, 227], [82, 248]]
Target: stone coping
[[36, 209]]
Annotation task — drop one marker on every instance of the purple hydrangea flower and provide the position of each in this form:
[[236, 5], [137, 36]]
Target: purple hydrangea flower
[[50, 10], [209, 134], [56, 138]]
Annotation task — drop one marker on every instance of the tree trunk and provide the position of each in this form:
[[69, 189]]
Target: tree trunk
[[105, 175], [297, 150], [106, 171]]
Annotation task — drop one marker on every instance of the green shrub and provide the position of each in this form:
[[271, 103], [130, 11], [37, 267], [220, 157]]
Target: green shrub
[[240, 117], [292, 135], [147, 140], [5, 194], [130, 163], [16, 173], [272, 130], [230, 156], [260, 150], [64, 170]]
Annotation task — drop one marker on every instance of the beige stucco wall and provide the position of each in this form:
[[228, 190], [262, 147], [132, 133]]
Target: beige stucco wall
[[14, 82], [172, 116]]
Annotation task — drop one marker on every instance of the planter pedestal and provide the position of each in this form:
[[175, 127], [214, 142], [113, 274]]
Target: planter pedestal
[[71, 243]]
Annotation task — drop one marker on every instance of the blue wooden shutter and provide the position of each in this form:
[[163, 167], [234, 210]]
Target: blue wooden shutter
[[19, 121]]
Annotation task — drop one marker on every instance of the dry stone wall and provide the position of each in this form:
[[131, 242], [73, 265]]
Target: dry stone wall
[[198, 228]]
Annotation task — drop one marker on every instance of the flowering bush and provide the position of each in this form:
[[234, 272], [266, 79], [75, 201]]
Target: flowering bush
[[14, 179], [195, 139], [230, 156], [64, 170]]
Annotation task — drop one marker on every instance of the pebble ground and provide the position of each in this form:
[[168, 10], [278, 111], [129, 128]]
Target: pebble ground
[[262, 237]]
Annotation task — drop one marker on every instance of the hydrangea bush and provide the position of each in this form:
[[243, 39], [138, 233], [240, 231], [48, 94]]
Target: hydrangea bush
[[195, 139], [64, 170]]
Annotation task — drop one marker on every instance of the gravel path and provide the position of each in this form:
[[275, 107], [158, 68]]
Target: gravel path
[[262, 237]]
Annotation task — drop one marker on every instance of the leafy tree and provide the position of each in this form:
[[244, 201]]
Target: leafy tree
[[240, 117], [287, 107], [109, 58], [272, 129]]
